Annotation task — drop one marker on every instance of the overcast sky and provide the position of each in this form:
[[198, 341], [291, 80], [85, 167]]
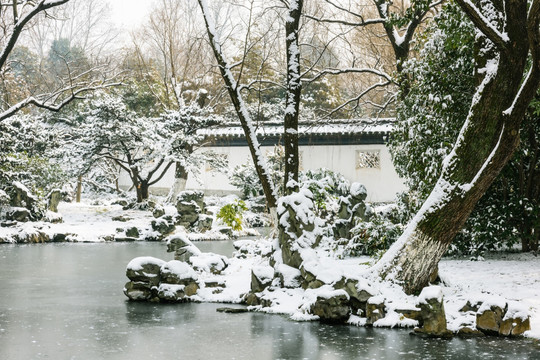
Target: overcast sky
[[129, 14]]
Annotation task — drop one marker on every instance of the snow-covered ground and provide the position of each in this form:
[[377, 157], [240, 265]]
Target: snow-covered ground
[[514, 277], [92, 221]]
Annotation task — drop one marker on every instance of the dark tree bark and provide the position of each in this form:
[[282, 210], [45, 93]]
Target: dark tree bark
[[140, 183], [487, 141], [293, 94], [143, 191]]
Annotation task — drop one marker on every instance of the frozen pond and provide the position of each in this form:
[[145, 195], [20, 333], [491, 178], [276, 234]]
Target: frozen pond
[[65, 301]]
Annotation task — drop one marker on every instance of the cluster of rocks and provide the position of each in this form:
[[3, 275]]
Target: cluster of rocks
[[152, 279], [335, 303], [191, 211], [36, 236], [155, 280], [352, 209], [23, 206], [302, 226], [502, 319], [191, 215]]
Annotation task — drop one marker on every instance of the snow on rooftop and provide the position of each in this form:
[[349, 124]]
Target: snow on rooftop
[[335, 127]]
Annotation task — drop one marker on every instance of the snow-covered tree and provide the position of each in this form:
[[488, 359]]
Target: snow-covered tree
[[507, 74], [143, 147], [438, 98], [235, 93], [439, 95], [26, 147], [111, 132], [185, 140]]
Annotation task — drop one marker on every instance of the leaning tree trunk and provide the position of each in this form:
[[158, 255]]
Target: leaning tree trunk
[[486, 143], [246, 122], [179, 184]]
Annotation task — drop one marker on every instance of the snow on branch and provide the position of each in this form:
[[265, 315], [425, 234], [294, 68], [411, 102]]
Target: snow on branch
[[348, 70], [360, 96], [21, 22], [345, 22], [47, 101], [501, 40]]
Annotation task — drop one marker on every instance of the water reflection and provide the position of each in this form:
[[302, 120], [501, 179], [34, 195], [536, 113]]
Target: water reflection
[[65, 301]]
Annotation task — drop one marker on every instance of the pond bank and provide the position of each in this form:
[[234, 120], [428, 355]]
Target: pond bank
[[64, 301]]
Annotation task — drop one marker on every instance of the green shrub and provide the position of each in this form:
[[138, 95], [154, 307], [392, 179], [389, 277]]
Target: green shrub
[[231, 214]]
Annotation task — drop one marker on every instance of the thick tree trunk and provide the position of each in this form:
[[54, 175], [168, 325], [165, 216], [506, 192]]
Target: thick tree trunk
[[144, 190], [136, 183], [180, 180], [487, 140], [292, 100]]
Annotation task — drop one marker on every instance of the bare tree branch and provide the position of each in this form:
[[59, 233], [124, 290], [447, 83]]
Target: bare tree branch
[[20, 23]]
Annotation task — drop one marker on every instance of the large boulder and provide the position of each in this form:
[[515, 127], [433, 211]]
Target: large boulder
[[502, 318], [296, 211], [204, 222], [178, 273], [331, 305], [138, 291], [310, 281], [164, 225], [145, 269], [289, 277], [158, 212], [20, 196], [359, 293], [192, 196], [132, 231], [18, 214], [182, 247], [190, 205], [261, 278], [432, 312], [53, 199], [171, 292], [489, 318], [375, 309], [352, 208], [209, 262]]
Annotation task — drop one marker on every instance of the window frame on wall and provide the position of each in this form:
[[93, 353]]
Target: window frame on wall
[[367, 159]]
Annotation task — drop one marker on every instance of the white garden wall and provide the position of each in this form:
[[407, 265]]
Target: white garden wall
[[382, 181]]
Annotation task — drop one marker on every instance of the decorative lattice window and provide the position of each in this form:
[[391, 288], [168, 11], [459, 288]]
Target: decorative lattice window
[[368, 159]]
